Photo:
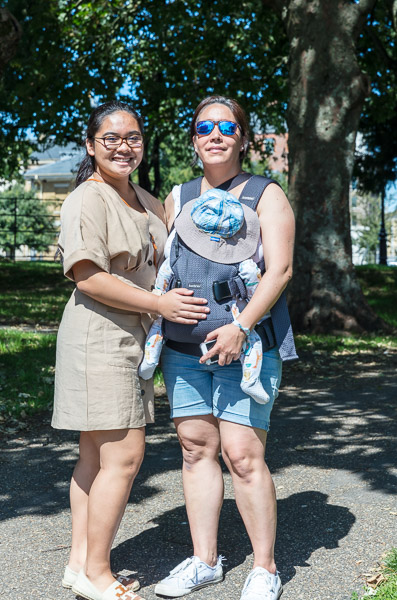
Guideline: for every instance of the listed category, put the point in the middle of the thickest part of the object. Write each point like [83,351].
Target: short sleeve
[84,230]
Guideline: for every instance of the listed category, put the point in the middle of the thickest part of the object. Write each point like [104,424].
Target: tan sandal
[69,579]
[117,591]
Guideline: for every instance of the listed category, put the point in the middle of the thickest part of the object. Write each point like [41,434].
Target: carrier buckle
[221,290]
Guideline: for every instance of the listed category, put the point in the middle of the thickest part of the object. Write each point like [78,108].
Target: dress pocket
[124,339]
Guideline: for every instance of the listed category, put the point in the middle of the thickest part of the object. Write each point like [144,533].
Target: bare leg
[85,471]
[121,454]
[243,449]
[202,482]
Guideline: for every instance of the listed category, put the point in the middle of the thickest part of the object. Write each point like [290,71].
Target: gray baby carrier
[220,284]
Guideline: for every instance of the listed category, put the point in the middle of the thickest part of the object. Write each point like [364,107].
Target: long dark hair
[238,113]
[97,117]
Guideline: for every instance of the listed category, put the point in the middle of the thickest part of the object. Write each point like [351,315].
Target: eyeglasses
[112,142]
[225,127]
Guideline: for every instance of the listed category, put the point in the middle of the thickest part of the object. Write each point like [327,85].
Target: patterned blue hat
[218,212]
[218,227]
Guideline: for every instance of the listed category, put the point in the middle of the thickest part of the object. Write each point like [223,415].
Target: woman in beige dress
[112,239]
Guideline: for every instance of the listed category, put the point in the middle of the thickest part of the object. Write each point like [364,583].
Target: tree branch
[278,5]
[380,49]
[360,14]
[365,6]
[10,34]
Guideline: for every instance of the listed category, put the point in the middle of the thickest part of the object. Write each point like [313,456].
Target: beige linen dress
[99,348]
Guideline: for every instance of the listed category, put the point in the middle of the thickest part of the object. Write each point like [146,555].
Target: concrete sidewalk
[331,450]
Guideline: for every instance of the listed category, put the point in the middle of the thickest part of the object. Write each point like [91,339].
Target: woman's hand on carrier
[229,341]
[179,305]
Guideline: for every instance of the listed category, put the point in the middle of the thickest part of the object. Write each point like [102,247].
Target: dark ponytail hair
[238,113]
[97,117]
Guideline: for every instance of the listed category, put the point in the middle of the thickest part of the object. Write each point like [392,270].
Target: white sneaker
[262,585]
[189,575]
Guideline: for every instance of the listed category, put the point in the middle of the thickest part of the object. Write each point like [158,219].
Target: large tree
[166,56]
[327,93]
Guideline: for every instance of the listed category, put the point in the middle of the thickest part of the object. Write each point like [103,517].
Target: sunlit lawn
[32,293]
[35,294]
[26,376]
[382,584]
[379,285]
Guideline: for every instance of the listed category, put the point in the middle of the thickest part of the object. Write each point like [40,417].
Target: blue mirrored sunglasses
[225,127]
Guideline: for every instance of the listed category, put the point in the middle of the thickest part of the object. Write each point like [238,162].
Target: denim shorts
[194,389]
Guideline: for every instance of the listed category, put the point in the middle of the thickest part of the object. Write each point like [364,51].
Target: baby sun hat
[218,227]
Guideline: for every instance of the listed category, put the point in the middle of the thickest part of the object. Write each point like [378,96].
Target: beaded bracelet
[245,330]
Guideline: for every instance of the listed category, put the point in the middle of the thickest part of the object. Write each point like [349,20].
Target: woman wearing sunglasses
[112,238]
[210,411]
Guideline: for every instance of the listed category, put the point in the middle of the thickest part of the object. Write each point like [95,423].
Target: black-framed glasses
[225,127]
[112,142]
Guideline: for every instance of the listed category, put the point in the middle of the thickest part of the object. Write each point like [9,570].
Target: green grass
[32,293]
[26,376]
[27,371]
[387,588]
[379,284]
[158,378]
[35,293]
[353,344]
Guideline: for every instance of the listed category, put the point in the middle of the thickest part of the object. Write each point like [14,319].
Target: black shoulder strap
[234,181]
[190,190]
[254,189]
[250,195]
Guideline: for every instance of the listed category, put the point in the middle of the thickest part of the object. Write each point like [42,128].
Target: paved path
[332,451]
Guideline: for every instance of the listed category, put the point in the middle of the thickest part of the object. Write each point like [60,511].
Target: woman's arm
[277,231]
[169,211]
[176,305]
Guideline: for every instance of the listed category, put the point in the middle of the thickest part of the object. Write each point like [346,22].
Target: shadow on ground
[325,427]
[306,522]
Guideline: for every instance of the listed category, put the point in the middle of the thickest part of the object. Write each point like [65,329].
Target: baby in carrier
[215,226]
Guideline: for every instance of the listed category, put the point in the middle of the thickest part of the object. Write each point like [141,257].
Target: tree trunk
[153,148]
[143,173]
[156,165]
[10,33]
[327,92]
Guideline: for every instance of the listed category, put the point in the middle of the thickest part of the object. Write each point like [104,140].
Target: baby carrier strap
[281,323]
[250,195]
[254,189]
[222,290]
[190,190]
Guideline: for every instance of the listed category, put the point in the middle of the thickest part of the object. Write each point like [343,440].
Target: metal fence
[29,227]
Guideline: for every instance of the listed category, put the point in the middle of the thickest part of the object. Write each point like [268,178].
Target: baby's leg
[153,346]
[251,360]
[154,341]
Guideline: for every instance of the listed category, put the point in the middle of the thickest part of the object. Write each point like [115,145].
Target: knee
[130,466]
[241,464]
[134,465]
[195,451]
